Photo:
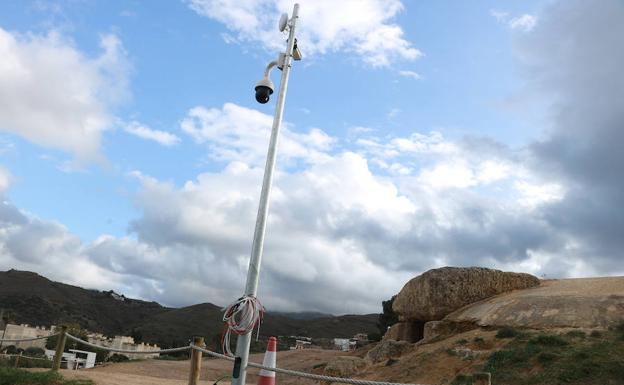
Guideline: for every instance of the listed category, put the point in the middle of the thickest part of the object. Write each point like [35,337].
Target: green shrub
[545,358]
[451,352]
[595,334]
[463,341]
[463,379]
[507,332]
[10,376]
[118,358]
[478,340]
[548,340]
[576,334]
[34,352]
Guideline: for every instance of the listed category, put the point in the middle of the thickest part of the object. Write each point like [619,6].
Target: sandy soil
[160,372]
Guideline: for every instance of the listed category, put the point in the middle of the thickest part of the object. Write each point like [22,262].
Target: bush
[34,352]
[548,340]
[478,340]
[463,379]
[118,358]
[463,341]
[576,334]
[595,334]
[10,376]
[507,332]
[545,358]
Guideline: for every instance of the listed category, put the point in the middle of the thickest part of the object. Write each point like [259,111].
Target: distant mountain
[303,315]
[27,297]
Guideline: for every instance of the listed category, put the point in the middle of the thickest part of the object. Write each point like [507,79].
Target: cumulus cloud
[238,133]
[142,131]
[363,28]
[356,219]
[55,96]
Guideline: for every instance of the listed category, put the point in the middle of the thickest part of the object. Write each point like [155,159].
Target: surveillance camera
[264,89]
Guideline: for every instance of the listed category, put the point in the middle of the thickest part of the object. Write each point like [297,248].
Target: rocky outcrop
[577,303]
[388,349]
[344,366]
[444,328]
[438,292]
[405,331]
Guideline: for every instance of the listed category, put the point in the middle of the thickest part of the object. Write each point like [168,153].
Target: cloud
[161,137]
[238,133]
[55,96]
[574,59]
[523,23]
[5,180]
[364,28]
[410,74]
[351,221]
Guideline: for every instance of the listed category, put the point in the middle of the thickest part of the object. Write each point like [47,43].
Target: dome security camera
[264,89]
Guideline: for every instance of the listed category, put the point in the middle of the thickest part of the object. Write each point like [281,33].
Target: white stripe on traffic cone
[267,377]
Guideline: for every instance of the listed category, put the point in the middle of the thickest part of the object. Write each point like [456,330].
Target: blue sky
[419,126]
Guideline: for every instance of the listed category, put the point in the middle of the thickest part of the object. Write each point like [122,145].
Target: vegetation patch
[549,340]
[547,359]
[576,334]
[11,376]
[507,332]
[463,379]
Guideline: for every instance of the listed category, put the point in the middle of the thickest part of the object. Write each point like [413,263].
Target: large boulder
[438,292]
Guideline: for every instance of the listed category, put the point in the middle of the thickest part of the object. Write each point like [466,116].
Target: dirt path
[159,372]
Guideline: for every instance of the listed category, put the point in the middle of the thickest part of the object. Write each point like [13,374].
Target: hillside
[206,320]
[27,297]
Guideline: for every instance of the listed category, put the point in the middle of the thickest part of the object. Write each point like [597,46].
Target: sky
[417,134]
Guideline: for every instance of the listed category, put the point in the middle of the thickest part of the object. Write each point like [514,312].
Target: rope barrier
[296,373]
[29,357]
[180,349]
[317,377]
[28,339]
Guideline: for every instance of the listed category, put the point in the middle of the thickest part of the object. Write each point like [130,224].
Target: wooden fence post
[196,358]
[17,359]
[60,347]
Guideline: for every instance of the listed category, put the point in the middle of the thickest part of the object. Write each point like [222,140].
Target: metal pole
[251,288]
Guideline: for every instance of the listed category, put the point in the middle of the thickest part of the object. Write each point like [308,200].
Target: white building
[75,359]
[15,332]
[124,343]
[344,344]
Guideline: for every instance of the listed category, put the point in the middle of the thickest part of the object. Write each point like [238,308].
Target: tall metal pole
[251,288]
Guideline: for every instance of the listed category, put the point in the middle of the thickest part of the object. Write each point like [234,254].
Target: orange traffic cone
[267,377]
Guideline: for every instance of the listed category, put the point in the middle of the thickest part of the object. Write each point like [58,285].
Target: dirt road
[159,372]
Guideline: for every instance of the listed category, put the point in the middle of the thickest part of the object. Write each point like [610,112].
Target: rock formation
[436,293]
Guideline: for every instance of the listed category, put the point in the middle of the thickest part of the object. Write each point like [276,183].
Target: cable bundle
[240,318]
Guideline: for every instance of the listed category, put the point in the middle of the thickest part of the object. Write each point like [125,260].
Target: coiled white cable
[240,318]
